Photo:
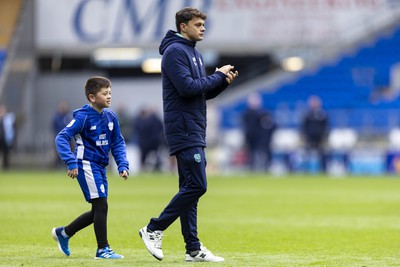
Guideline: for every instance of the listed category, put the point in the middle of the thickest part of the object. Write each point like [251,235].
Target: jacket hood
[86,109]
[173,37]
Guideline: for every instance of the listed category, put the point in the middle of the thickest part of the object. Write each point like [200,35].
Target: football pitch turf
[249,219]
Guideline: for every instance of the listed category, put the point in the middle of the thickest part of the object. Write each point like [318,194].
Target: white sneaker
[204,255]
[153,242]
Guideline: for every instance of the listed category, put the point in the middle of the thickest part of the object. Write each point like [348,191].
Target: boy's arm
[118,150]
[62,141]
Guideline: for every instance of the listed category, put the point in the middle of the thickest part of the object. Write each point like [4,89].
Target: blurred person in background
[149,134]
[7,135]
[125,122]
[61,118]
[314,129]
[186,88]
[258,127]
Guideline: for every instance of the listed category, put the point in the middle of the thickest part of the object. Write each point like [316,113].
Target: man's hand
[73,173]
[124,174]
[231,76]
[228,71]
[225,69]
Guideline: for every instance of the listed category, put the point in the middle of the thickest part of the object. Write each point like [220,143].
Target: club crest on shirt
[197,157]
[110,125]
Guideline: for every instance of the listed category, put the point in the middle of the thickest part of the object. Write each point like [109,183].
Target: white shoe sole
[98,258]
[188,258]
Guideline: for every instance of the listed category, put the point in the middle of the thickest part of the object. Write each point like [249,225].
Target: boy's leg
[93,182]
[100,210]
[62,234]
[79,223]
[89,185]
[62,240]
[97,216]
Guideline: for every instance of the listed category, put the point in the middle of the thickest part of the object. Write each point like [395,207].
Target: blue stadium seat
[2,58]
[346,85]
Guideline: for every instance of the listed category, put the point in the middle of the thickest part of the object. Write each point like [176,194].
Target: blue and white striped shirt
[95,134]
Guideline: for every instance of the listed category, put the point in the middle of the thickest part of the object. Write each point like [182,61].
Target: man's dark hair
[186,14]
[94,85]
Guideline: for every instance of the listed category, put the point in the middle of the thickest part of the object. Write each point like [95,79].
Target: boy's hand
[124,174]
[73,173]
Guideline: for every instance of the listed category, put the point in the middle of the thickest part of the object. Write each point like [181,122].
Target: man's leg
[322,157]
[188,218]
[7,150]
[194,250]
[143,158]
[189,228]
[191,188]
[191,163]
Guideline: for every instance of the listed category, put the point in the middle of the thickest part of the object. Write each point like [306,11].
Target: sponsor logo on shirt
[102,140]
[93,127]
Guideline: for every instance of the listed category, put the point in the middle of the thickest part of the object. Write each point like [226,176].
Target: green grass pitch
[250,220]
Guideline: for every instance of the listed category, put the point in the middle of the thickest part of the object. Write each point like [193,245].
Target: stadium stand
[357,90]
[8,13]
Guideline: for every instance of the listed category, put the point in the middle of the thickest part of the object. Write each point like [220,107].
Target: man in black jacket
[148,130]
[258,128]
[315,130]
[186,87]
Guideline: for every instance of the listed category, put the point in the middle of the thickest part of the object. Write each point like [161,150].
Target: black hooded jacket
[185,91]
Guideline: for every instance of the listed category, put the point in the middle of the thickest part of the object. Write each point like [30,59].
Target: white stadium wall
[78,26]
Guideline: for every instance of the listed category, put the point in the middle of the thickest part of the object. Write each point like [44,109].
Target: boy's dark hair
[186,14]
[94,85]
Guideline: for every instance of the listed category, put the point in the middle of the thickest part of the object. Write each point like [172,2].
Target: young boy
[96,132]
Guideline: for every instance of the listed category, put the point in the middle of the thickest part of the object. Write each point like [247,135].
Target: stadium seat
[394,139]
[342,139]
[353,86]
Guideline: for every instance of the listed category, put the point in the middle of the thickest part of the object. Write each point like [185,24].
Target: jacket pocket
[185,123]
